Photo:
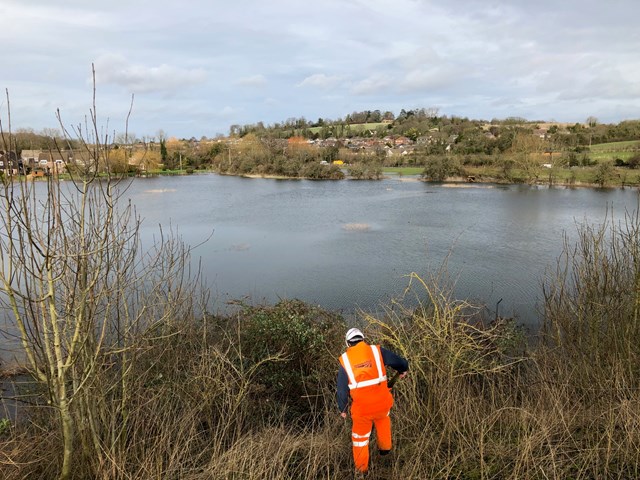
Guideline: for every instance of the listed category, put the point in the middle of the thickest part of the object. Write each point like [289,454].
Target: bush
[356,171]
[439,168]
[604,174]
[301,343]
[592,303]
[335,173]
[361,171]
[571,159]
[313,170]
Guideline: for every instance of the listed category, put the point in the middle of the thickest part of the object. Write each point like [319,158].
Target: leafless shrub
[82,293]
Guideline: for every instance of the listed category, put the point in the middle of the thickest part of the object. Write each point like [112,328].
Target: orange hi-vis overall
[371,400]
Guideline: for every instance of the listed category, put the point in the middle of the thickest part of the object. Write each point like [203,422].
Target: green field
[616,146]
[566,176]
[611,151]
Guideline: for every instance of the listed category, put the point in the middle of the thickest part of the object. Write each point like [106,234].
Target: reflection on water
[351,244]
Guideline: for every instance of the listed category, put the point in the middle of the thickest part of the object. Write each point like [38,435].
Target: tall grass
[251,395]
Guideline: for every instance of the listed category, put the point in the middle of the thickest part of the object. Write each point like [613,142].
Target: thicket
[257,156]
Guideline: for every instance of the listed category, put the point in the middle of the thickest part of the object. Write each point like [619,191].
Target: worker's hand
[404,374]
[343,415]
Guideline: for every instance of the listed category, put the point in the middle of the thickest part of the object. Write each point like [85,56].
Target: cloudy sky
[197,67]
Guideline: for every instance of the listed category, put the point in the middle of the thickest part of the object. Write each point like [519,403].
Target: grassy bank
[251,395]
[403,170]
[593,176]
[580,176]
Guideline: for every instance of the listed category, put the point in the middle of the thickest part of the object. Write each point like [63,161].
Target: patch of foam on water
[356,227]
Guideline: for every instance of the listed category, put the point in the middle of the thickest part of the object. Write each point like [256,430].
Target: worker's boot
[386,459]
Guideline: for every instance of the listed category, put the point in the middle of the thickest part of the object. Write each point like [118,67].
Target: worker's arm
[342,394]
[398,363]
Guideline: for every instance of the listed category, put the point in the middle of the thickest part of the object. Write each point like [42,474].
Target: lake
[349,245]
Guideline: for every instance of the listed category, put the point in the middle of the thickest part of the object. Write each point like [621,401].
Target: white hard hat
[352,335]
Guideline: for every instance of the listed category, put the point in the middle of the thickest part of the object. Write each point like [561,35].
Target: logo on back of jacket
[366,364]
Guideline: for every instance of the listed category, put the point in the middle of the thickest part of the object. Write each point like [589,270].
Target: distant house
[297,141]
[400,141]
[9,163]
[30,158]
[82,158]
[54,162]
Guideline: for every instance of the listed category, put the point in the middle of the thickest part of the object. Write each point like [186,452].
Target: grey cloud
[116,70]
[320,80]
[253,81]
[429,79]
[375,83]
[606,86]
[469,57]
[47,16]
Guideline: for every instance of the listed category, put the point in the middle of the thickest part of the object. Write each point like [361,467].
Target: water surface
[346,245]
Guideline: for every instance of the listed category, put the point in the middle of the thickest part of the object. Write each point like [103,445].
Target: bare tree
[527,149]
[80,289]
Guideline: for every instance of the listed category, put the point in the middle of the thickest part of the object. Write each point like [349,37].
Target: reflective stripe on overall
[372,400]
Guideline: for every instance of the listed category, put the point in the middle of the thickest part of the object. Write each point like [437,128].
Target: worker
[362,374]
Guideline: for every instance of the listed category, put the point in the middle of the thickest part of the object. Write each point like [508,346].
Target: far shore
[453,182]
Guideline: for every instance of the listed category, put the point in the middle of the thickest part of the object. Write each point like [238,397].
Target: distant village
[36,162]
[409,140]
[43,162]
[47,162]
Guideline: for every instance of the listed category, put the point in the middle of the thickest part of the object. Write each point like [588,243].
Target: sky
[194,68]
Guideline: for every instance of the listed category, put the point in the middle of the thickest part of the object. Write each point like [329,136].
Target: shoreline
[450,182]
[495,181]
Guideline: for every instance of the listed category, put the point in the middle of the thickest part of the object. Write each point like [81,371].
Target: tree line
[418,122]
[443,145]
